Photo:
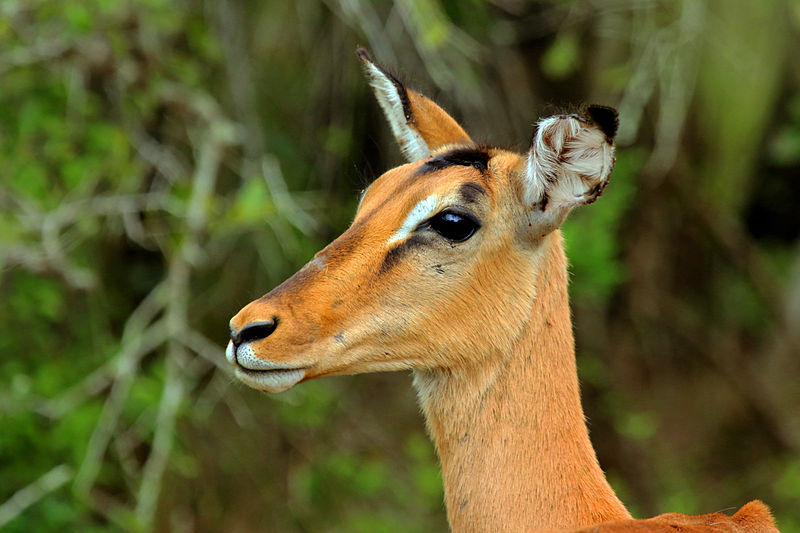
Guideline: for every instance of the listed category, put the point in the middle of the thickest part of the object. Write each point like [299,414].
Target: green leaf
[562,58]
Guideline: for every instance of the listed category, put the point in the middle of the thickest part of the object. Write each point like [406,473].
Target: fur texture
[568,165]
[753,517]
[484,323]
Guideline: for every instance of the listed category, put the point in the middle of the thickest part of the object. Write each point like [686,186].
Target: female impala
[454,268]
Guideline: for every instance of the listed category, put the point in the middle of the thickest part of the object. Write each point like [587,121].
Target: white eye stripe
[418,213]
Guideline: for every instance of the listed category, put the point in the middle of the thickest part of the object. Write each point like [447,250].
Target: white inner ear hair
[418,214]
[567,160]
[411,143]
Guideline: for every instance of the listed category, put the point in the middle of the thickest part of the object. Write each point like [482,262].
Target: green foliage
[637,425]
[562,58]
[165,161]
[309,406]
[593,237]
[785,144]
[434,28]
[729,161]
[427,476]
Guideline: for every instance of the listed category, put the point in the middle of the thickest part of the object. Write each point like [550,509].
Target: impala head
[440,262]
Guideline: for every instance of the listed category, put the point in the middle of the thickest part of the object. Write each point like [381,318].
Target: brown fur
[484,324]
[433,124]
[754,517]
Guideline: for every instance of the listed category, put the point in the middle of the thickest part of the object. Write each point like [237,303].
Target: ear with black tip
[419,125]
[606,118]
[569,163]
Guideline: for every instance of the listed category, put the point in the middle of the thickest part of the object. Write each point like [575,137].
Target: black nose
[254,331]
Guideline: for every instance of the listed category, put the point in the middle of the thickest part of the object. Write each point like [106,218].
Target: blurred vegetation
[164,162]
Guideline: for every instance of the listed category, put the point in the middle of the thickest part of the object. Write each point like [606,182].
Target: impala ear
[569,162]
[419,125]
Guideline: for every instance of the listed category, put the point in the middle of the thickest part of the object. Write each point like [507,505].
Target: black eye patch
[471,193]
[396,254]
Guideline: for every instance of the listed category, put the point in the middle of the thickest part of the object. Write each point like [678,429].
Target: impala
[454,268]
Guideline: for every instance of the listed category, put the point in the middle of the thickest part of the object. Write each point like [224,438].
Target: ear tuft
[606,118]
[570,160]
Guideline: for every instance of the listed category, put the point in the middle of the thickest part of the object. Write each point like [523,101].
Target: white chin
[272,381]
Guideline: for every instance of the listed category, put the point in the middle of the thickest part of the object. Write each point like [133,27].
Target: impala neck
[511,434]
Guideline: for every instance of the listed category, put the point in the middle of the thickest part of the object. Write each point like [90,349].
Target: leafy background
[165,162]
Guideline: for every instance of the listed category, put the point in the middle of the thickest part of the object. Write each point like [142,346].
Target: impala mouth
[260,374]
[272,381]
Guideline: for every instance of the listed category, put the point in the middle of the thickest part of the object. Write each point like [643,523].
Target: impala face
[433,252]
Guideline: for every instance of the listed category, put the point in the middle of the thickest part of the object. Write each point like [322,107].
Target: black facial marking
[402,92]
[606,119]
[398,252]
[464,157]
[541,205]
[471,192]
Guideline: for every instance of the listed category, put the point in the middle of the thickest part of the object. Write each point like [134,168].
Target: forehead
[464,172]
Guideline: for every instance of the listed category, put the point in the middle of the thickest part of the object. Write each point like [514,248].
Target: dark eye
[453,226]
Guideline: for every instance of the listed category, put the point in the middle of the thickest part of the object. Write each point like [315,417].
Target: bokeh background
[163,162]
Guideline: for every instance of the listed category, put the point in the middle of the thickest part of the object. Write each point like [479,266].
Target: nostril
[254,332]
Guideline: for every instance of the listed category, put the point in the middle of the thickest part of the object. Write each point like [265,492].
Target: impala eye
[454,226]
